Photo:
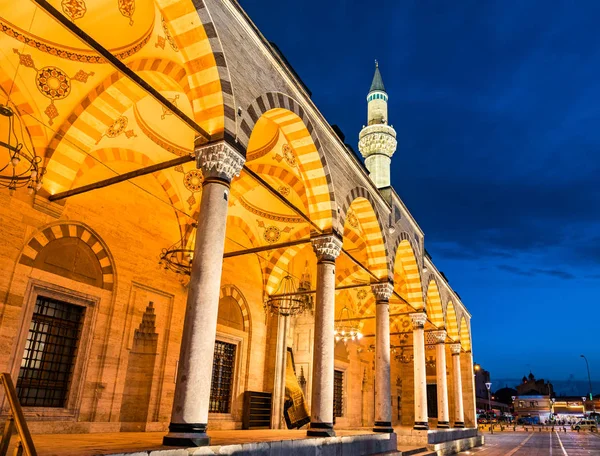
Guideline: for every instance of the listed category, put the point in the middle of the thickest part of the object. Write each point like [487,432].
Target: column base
[320,430]
[459,424]
[187,435]
[443,425]
[384,427]
[421,425]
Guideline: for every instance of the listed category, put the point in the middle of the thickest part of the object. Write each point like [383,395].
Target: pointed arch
[452,322]
[407,276]
[433,304]
[362,204]
[211,92]
[300,133]
[230,290]
[60,230]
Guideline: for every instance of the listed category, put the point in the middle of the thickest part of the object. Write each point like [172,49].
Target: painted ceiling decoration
[118,127]
[52,82]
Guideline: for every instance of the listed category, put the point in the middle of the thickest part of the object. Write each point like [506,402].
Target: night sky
[497,109]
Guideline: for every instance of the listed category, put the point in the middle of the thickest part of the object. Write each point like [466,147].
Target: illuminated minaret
[377,141]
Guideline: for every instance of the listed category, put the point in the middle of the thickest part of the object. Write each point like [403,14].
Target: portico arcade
[186,175]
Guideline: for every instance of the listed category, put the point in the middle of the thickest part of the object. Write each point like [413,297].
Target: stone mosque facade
[195,240]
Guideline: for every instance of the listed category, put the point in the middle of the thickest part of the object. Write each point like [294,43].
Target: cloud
[531,272]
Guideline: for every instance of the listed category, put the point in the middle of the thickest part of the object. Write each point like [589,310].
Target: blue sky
[497,109]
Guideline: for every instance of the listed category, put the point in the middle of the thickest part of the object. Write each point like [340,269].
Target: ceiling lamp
[347,326]
[178,258]
[22,166]
[403,357]
[290,299]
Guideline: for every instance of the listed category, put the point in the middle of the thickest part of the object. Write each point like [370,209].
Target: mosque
[188,245]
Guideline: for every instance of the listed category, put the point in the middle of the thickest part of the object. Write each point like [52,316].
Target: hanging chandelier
[290,299]
[22,167]
[403,357]
[347,326]
[178,257]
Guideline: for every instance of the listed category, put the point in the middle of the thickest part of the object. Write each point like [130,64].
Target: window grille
[50,352]
[338,397]
[222,377]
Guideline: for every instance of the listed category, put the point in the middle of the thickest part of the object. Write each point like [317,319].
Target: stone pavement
[126,442]
[538,444]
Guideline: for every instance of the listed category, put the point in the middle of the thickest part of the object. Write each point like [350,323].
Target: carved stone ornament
[377,139]
[382,291]
[455,349]
[418,319]
[439,336]
[327,248]
[219,160]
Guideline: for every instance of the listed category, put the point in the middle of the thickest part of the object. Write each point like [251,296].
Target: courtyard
[538,443]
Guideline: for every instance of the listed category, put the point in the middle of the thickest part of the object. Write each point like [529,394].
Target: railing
[15,419]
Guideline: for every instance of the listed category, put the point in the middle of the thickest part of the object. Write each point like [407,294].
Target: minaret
[377,141]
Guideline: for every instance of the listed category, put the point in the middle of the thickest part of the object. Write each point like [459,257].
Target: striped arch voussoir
[433,301]
[371,234]
[71,230]
[236,294]
[211,91]
[311,155]
[417,290]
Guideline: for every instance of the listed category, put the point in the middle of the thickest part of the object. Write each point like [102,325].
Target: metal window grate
[49,357]
[222,377]
[338,397]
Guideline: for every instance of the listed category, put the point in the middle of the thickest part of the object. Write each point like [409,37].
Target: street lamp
[513,406]
[488,385]
[583,406]
[590,382]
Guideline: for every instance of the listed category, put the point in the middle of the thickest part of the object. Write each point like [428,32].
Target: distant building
[540,408]
[481,378]
[530,386]
[483,402]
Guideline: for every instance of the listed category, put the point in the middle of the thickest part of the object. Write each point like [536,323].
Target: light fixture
[347,326]
[430,361]
[178,257]
[291,299]
[403,357]
[22,167]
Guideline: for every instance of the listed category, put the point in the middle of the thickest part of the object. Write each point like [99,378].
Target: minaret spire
[377,141]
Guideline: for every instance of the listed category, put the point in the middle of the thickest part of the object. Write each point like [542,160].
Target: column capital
[418,319]
[455,349]
[327,247]
[219,160]
[382,291]
[439,336]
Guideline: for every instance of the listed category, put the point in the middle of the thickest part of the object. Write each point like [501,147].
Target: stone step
[417,452]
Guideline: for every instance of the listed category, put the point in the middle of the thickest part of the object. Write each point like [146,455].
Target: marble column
[442,382]
[279,381]
[219,163]
[418,320]
[383,406]
[327,248]
[459,420]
